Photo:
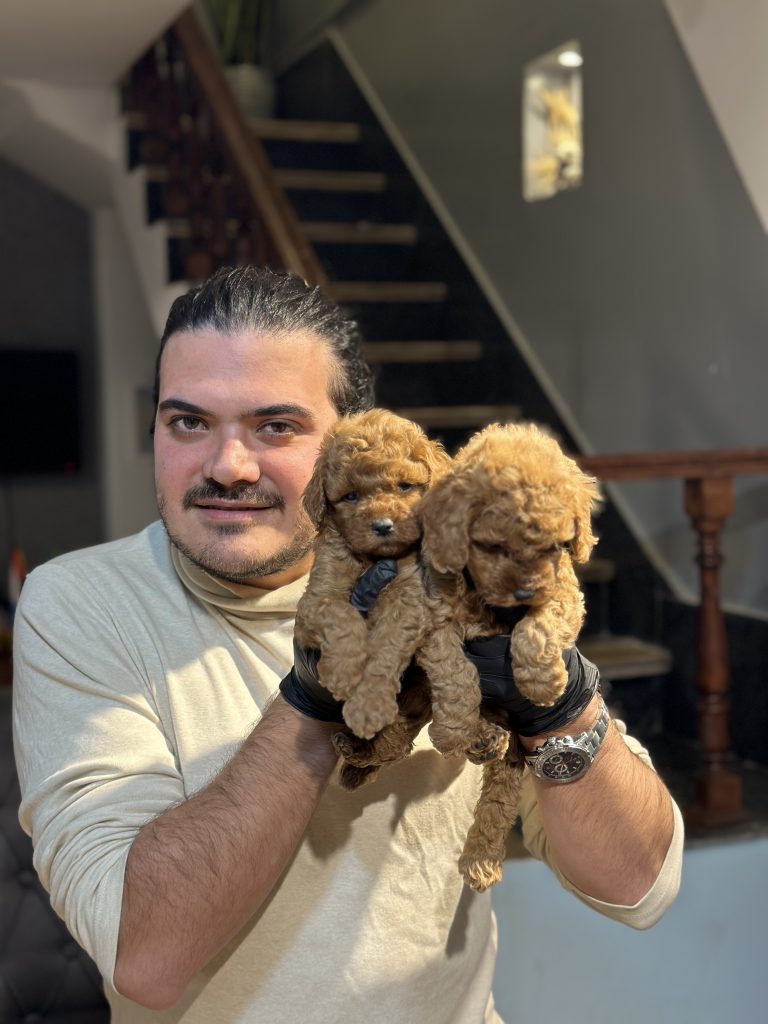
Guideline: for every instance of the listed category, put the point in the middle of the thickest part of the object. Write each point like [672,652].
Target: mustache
[250,494]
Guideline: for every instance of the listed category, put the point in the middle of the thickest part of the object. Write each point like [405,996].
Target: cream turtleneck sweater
[132,691]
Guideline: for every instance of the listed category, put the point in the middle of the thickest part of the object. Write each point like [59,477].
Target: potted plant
[240,29]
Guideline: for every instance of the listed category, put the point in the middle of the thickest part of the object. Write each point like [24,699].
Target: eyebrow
[280,409]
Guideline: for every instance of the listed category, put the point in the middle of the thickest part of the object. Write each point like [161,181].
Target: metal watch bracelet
[563,759]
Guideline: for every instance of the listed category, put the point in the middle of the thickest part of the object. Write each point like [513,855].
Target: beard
[230,566]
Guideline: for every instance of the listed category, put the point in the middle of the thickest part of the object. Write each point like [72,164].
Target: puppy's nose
[523,595]
[382,527]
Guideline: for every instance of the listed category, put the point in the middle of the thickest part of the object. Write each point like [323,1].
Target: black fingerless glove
[490,655]
[302,688]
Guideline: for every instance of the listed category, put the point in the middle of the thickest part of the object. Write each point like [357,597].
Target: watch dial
[564,765]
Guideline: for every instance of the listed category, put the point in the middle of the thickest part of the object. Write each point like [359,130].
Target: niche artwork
[552,137]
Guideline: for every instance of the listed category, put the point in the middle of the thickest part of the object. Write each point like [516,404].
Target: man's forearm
[200,870]
[609,831]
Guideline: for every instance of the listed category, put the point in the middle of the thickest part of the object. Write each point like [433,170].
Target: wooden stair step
[457,416]
[330,181]
[387,291]
[422,351]
[596,570]
[291,130]
[625,657]
[362,232]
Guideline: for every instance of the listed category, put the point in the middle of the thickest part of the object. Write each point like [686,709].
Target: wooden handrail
[708,498]
[683,465]
[246,154]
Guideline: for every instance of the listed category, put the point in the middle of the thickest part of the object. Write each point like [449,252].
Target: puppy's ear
[314,497]
[445,516]
[587,499]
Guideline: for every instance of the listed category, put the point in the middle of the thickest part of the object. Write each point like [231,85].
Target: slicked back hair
[249,298]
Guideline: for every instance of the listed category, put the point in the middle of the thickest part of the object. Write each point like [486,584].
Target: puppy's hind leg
[481,861]
[363,758]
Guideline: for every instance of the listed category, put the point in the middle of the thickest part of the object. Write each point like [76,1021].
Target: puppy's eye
[352,496]
[402,486]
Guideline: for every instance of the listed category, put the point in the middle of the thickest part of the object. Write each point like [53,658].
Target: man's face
[239,424]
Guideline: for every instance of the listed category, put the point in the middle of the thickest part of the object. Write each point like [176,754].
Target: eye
[352,496]
[402,486]
[187,424]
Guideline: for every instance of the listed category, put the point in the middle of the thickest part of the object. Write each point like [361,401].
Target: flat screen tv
[39,412]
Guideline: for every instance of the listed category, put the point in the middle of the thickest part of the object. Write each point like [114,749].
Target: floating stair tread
[330,181]
[596,570]
[422,351]
[361,232]
[388,291]
[460,415]
[625,657]
[289,130]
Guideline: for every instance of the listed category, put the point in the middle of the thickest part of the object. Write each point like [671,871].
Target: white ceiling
[78,42]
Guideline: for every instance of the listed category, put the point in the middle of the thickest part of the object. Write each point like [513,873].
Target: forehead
[249,365]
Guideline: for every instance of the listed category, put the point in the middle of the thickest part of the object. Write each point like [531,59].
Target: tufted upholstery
[44,975]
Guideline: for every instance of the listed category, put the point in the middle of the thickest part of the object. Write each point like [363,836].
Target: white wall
[705,961]
[127,346]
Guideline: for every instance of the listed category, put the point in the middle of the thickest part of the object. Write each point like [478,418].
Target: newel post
[717,801]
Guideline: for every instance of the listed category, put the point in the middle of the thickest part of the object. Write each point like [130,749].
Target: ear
[314,497]
[445,516]
[587,500]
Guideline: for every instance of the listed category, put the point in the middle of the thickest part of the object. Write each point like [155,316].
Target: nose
[230,462]
[382,527]
[523,595]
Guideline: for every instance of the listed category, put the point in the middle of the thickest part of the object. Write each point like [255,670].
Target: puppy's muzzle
[383,527]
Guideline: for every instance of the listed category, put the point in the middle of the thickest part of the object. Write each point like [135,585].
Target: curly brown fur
[365,497]
[514,516]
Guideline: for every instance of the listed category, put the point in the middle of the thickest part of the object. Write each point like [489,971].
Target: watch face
[563,765]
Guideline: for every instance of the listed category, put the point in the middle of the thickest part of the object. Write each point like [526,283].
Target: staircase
[440,355]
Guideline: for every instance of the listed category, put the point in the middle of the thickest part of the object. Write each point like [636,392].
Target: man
[184,817]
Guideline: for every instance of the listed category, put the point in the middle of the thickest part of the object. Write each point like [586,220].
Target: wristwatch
[567,758]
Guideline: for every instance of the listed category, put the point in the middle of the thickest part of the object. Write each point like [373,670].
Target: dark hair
[259,299]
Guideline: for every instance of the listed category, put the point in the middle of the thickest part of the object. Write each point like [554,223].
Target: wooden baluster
[176,199]
[717,800]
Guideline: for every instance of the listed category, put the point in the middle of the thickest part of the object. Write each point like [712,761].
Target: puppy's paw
[490,743]
[480,873]
[541,684]
[353,776]
[366,715]
[354,750]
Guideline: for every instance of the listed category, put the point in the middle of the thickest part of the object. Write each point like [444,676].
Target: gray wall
[642,296]
[47,303]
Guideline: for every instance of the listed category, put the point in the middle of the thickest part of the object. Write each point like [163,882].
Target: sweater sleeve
[662,893]
[94,764]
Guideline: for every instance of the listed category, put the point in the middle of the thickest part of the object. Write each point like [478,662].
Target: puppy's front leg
[325,619]
[457,729]
[537,646]
[397,623]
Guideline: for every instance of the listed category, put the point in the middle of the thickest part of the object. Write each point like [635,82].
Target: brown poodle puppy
[365,497]
[513,515]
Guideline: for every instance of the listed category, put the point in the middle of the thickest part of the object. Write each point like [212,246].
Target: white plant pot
[254,88]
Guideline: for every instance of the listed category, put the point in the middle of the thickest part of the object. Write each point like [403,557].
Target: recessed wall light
[570,59]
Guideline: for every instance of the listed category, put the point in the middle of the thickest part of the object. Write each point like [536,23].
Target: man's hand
[490,655]
[302,688]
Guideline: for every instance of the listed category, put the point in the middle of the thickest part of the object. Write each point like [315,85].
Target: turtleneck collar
[238,600]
